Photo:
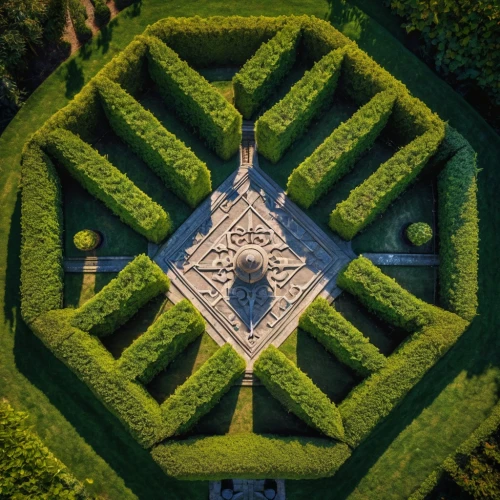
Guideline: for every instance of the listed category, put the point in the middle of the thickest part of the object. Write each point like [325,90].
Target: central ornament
[250,263]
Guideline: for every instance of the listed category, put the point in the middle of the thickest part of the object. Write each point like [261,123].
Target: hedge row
[459,234]
[336,156]
[261,74]
[287,120]
[435,330]
[175,164]
[297,392]
[341,338]
[196,101]
[375,194]
[202,391]
[27,468]
[167,337]
[108,184]
[122,297]
[250,456]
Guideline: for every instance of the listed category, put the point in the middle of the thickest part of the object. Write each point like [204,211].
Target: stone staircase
[247,148]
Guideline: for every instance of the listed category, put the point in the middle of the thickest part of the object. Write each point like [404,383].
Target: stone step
[403,259]
[96,264]
[249,379]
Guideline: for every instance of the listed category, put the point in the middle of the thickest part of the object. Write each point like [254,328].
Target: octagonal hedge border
[72,335]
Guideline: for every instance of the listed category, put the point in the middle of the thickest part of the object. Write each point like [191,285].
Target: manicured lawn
[437,415]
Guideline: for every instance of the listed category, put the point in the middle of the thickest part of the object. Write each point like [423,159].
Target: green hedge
[336,156]
[202,391]
[122,297]
[167,337]
[27,468]
[419,233]
[297,392]
[261,74]
[42,276]
[278,127]
[250,456]
[375,194]
[196,101]
[102,14]
[459,234]
[175,164]
[341,338]
[78,15]
[108,184]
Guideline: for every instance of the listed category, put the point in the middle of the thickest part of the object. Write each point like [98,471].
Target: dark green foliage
[122,4]
[168,157]
[419,233]
[27,468]
[250,456]
[196,101]
[261,74]
[297,392]
[122,297]
[41,246]
[459,234]
[336,156]
[341,338]
[375,194]
[167,337]
[202,391]
[108,184]
[102,14]
[78,15]
[287,120]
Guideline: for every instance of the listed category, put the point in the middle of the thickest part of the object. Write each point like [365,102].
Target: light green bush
[419,233]
[86,240]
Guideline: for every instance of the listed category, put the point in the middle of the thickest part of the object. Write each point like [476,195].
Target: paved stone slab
[96,264]
[244,489]
[403,259]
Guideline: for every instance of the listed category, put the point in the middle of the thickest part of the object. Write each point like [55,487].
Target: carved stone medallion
[251,262]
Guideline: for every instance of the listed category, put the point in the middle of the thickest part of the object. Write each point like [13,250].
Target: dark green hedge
[102,14]
[341,338]
[459,234]
[375,194]
[122,297]
[287,120]
[297,392]
[175,164]
[167,337]
[261,74]
[250,456]
[202,391]
[196,101]
[336,156]
[108,184]
[78,15]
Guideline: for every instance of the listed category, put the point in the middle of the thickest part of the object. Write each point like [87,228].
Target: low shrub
[166,338]
[375,194]
[419,233]
[297,392]
[202,391]
[27,468]
[278,127]
[122,297]
[341,338]
[336,156]
[196,101]
[102,14]
[250,456]
[175,164]
[108,184]
[78,15]
[261,74]
[459,234]
[86,240]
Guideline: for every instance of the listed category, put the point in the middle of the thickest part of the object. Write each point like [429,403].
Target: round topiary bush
[419,233]
[87,240]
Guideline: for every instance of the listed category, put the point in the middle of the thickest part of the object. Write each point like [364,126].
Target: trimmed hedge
[341,338]
[250,456]
[459,234]
[336,156]
[196,101]
[122,297]
[175,164]
[202,391]
[167,337]
[86,240]
[278,127]
[261,74]
[108,184]
[419,233]
[375,194]
[102,14]
[297,392]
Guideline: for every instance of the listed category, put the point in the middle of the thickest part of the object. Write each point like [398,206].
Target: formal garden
[249,251]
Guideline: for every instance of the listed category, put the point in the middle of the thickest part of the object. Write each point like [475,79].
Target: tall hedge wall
[196,101]
[336,156]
